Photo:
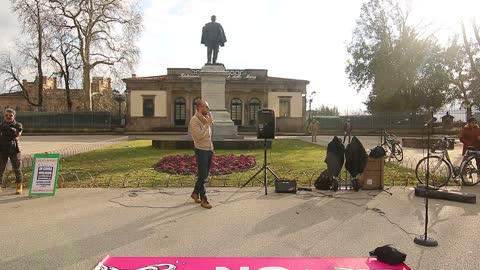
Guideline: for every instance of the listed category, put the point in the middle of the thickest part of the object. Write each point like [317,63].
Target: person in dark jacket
[10,131]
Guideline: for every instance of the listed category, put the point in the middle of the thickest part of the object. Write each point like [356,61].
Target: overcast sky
[299,39]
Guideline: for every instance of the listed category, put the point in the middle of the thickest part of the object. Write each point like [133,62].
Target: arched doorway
[180,111]
[253,108]
[236,111]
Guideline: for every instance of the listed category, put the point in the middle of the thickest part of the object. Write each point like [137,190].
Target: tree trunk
[469,111]
[39,60]
[67,91]
[67,82]
[87,88]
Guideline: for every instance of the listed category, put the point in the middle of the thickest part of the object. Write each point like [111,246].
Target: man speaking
[202,138]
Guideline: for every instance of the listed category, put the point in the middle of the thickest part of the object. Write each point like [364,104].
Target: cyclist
[470,136]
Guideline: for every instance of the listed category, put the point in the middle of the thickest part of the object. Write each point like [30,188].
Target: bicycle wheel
[398,153]
[469,172]
[440,171]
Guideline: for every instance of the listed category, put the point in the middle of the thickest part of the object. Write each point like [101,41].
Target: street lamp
[119,98]
[310,99]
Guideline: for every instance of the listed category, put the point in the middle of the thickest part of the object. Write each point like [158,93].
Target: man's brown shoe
[205,204]
[195,197]
[19,189]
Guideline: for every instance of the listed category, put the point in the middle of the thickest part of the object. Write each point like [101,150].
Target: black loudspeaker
[266,124]
[285,186]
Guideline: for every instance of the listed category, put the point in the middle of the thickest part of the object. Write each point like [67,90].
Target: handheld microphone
[210,115]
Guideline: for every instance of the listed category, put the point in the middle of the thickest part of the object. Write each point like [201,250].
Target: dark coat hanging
[335,156]
[355,157]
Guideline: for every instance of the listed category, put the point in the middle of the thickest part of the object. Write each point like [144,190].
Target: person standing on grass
[314,129]
[10,131]
[202,138]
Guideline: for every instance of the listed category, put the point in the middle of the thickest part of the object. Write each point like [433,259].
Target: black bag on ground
[324,181]
[377,152]
[389,255]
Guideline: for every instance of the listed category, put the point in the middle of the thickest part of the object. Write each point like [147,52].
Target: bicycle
[442,168]
[392,146]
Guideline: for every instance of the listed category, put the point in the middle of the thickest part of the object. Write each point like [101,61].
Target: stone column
[213,79]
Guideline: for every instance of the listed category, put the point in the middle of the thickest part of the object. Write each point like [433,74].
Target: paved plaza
[79,227]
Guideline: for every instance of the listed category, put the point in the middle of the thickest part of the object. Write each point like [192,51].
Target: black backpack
[324,181]
[389,255]
[377,152]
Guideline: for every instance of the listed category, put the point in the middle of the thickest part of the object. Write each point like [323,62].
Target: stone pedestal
[213,78]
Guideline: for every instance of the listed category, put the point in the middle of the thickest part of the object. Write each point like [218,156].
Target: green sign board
[44,175]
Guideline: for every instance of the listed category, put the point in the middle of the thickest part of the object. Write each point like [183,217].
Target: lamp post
[119,98]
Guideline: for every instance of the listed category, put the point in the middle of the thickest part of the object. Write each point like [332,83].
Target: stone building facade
[55,99]
[168,101]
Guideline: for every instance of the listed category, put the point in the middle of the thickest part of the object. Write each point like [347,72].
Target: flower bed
[187,165]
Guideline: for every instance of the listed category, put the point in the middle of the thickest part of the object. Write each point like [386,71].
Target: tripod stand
[265,168]
[424,240]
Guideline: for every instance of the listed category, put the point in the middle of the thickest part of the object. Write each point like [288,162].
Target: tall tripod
[424,240]
[265,168]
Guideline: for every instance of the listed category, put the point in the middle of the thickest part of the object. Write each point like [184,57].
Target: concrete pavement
[78,227]
[54,143]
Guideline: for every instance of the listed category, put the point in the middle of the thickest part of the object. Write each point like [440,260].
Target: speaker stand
[264,168]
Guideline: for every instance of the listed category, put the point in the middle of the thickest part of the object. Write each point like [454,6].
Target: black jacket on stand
[355,157]
[335,156]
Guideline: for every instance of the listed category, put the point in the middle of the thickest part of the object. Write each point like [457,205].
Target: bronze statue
[213,36]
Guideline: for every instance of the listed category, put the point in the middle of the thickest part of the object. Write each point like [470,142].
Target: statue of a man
[213,36]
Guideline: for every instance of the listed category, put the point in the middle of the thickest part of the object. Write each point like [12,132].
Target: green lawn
[130,164]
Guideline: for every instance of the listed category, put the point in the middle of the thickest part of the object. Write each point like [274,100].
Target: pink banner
[207,263]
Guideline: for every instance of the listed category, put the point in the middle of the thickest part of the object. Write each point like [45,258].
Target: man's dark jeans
[16,160]
[204,161]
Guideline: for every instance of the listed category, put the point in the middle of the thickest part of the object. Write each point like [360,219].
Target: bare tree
[12,72]
[106,31]
[33,16]
[66,60]
[471,76]
[461,76]
[468,48]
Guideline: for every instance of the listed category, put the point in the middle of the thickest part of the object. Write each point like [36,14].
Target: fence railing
[445,118]
[68,120]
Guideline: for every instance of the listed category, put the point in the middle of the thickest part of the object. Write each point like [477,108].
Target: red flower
[187,165]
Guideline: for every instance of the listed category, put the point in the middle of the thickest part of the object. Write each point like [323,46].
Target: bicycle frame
[454,169]
[389,142]
[444,156]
